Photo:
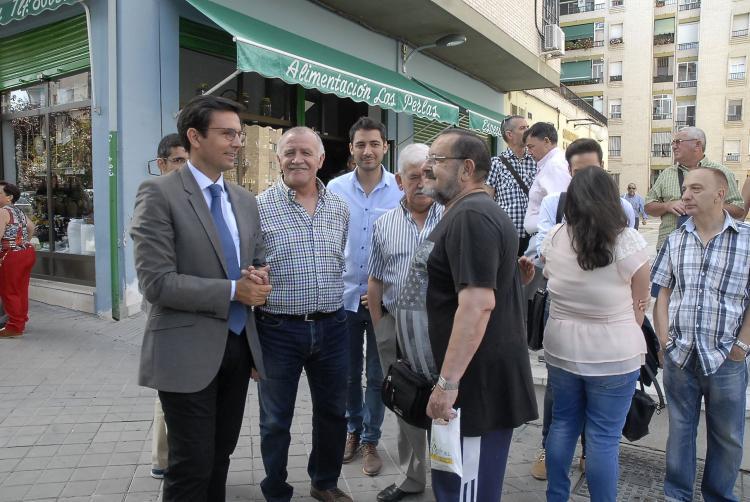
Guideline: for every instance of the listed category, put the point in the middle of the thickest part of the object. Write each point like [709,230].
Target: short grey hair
[416,153]
[507,124]
[300,130]
[696,133]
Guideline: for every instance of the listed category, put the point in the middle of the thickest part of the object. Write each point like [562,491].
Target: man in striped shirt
[396,236]
[703,270]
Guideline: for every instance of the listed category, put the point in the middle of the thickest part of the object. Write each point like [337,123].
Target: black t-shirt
[476,244]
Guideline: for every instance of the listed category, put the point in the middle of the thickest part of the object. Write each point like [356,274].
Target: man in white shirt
[552,170]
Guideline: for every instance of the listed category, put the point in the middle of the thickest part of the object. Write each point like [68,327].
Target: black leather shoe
[392,494]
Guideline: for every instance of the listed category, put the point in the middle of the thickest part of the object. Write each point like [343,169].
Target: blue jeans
[602,403]
[322,349]
[724,394]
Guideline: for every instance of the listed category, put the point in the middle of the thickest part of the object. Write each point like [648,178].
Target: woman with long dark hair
[17,258]
[598,272]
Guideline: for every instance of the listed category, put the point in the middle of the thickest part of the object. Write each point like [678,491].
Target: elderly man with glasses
[664,198]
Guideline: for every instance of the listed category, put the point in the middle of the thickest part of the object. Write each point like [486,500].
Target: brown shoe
[372,462]
[9,333]
[352,446]
[539,468]
[331,495]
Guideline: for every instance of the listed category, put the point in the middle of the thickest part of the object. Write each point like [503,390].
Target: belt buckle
[308,320]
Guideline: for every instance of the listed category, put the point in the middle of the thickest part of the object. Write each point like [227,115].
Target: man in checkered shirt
[507,192]
[703,270]
[303,323]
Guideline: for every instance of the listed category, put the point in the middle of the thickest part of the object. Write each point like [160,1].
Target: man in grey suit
[199,255]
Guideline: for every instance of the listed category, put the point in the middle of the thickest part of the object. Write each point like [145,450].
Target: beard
[445,194]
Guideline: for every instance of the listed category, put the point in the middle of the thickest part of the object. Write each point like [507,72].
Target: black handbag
[535,319]
[642,408]
[406,393]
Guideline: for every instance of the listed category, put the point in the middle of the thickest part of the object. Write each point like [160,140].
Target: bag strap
[560,208]
[515,174]
[680,177]
[659,393]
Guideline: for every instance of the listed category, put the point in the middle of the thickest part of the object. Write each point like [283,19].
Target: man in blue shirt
[638,204]
[369,191]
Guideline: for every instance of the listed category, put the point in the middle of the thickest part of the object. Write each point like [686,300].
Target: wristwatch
[445,384]
[745,347]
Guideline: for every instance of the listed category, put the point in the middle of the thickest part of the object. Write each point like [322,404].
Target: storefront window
[28,98]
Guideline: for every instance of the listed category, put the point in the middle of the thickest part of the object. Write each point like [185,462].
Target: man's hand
[259,275]
[441,404]
[249,292]
[526,265]
[676,207]
[363,301]
[737,354]
[255,375]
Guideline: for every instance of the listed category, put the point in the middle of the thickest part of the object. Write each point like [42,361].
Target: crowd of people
[434,265]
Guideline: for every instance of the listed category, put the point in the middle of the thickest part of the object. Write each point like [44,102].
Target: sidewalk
[75,426]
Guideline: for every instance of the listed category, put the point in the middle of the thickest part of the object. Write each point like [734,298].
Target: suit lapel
[196,199]
[240,216]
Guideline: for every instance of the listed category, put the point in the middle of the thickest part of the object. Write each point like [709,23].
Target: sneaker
[582,464]
[330,495]
[157,473]
[539,468]
[372,462]
[352,446]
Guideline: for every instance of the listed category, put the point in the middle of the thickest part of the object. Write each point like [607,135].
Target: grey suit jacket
[182,274]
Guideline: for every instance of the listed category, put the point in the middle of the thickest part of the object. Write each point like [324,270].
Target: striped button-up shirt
[710,291]
[395,238]
[305,253]
[508,194]
[667,188]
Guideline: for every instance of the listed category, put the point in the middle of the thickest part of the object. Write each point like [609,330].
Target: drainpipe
[115,247]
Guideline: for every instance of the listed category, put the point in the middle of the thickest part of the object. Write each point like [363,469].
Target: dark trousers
[203,428]
[321,348]
[523,244]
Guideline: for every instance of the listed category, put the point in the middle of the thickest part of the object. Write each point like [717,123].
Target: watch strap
[445,384]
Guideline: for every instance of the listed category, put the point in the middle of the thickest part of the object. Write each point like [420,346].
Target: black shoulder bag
[515,174]
[406,393]
[642,408]
[536,316]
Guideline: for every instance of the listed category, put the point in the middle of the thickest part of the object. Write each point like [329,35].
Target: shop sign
[328,79]
[483,124]
[14,10]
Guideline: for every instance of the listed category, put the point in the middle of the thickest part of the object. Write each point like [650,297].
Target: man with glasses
[512,174]
[199,257]
[637,202]
[171,154]
[664,198]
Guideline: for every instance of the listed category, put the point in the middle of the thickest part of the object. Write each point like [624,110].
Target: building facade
[89,87]
[654,66]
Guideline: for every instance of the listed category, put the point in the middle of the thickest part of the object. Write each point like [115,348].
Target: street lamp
[451,40]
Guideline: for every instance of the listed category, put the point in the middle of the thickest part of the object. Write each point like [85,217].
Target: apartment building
[654,66]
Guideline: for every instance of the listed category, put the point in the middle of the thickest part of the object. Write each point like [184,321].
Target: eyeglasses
[677,142]
[229,134]
[153,164]
[431,160]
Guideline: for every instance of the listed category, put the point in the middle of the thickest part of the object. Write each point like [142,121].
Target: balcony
[690,5]
[664,39]
[664,3]
[687,83]
[617,3]
[687,46]
[663,78]
[614,153]
[679,124]
[733,157]
[615,115]
[575,8]
[661,151]
[574,98]
[734,118]
[582,43]
[584,81]
[662,116]
[615,41]
[738,75]
[615,78]
[739,33]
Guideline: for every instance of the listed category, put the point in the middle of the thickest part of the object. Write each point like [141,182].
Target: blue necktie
[237,310]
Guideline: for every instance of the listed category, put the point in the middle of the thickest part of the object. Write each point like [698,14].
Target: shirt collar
[729,222]
[701,163]
[552,153]
[384,181]
[509,153]
[203,180]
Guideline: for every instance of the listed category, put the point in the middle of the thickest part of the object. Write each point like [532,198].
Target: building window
[597,69]
[664,69]
[615,108]
[734,110]
[687,74]
[662,109]
[550,12]
[664,31]
[598,34]
[685,114]
[737,68]
[578,73]
[687,36]
[740,25]
[732,150]
[615,71]
[615,34]
[661,144]
[597,102]
[689,4]
[614,146]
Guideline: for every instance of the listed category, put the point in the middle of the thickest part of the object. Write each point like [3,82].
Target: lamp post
[451,40]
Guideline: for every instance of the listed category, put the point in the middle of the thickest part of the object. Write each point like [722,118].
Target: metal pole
[114,175]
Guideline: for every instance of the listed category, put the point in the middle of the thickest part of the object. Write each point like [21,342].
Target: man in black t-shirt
[475,315]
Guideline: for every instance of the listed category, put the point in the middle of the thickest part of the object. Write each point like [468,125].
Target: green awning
[579,31]
[662,26]
[275,53]
[14,10]
[481,119]
[575,70]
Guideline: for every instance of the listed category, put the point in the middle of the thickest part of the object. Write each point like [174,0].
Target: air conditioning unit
[554,40]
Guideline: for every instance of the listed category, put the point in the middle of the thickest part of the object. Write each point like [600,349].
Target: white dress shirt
[226,209]
[552,176]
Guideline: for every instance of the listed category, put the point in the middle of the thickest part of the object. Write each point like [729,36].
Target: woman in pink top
[597,271]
